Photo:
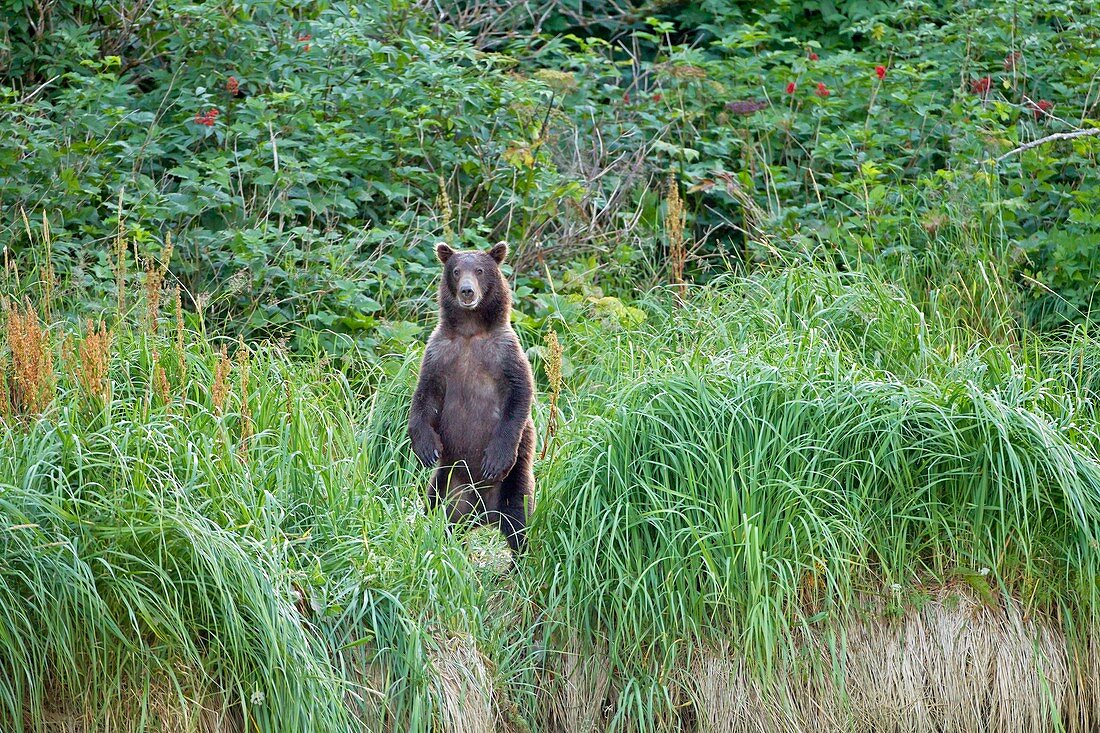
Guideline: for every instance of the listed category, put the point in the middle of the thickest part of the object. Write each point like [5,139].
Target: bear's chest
[472,369]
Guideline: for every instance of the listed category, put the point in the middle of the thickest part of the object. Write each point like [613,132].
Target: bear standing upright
[471,411]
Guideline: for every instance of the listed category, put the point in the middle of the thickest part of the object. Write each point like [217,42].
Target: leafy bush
[302,156]
[299,157]
[869,146]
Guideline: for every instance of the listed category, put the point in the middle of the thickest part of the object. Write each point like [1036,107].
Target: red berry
[206,118]
[981,85]
[791,87]
[813,56]
[1041,108]
[880,71]
[233,86]
[822,90]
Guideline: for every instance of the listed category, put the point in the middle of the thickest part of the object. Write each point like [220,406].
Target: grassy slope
[737,481]
[795,453]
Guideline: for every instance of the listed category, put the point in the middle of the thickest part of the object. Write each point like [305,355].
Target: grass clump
[196,539]
[793,456]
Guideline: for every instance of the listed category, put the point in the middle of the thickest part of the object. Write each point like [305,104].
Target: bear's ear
[499,252]
[443,252]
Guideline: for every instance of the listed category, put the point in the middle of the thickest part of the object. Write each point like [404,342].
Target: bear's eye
[480,271]
[455,272]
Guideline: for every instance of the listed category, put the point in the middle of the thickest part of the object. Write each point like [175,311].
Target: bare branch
[1090,132]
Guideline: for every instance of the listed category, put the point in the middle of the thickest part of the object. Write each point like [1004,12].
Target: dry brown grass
[574,696]
[954,666]
[219,390]
[154,285]
[1082,703]
[461,683]
[155,273]
[160,710]
[30,380]
[5,400]
[181,360]
[367,684]
[674,231]
[552,366]
[464,686]
[93,358]
[160,380]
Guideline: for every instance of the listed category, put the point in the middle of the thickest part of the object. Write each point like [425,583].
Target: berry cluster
[981,85]
[207,118]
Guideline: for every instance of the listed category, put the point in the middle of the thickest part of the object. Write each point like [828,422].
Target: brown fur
[471,412]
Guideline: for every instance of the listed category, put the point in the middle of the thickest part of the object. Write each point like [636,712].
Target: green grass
[772,461]
[147,548]
[784,457]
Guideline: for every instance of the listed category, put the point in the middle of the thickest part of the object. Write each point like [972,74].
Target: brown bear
[471,411]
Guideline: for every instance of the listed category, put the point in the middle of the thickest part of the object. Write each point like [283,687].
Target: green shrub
[306,198]
[793,148]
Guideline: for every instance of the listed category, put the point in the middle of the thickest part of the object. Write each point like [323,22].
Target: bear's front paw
[496,463]
[427,448]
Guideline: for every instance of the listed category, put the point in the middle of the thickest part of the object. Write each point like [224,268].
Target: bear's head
[472,286]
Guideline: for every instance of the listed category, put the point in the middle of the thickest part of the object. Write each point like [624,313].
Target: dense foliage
[305,155]
[296,156]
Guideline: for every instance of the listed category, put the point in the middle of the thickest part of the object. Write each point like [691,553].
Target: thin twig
[27,99]
[1092,131]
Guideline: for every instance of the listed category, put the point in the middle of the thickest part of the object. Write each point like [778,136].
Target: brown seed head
[220,389]
[31,383]
[93,355]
